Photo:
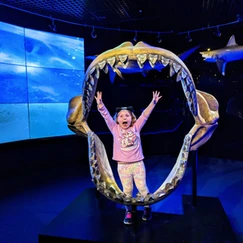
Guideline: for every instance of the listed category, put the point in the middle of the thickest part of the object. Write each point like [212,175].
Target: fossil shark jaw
[203,107]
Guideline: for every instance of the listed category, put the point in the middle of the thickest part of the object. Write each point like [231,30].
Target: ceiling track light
[135,38]
[218,33]
[93,33]
[52,26]
[159,39]
[189,39]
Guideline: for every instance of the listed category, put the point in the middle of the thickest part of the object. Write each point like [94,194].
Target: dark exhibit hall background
[43,175]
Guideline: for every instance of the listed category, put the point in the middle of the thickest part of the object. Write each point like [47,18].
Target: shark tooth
[152,59]
[97,74]
[187,139]
[189,101]
[92,70]
[193,94]
[179,76]
[141,58]
[91,147]
[87,108]
[102,64]
[176,67]
[95,166]
[103,184]
[164,61]
[91,142]
[92,170]
[191,88]
[183,73]
[92,156]
[92,150]
[161,194]
[172,71]
[106,69]
[188,80]
[90,88]
[123,58]
[111,61]
[183,83]
[86,77]
[187,94]
[194,97]
[193,109]
[91,80]
[185,148]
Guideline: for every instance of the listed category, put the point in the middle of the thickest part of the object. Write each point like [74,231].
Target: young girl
[127,149]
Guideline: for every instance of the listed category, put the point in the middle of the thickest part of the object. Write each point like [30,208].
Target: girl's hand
[156,96]
[98,98]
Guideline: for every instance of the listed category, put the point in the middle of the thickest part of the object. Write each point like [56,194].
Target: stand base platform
[93,218]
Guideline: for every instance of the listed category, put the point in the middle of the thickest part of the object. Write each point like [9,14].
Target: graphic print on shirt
[128,140]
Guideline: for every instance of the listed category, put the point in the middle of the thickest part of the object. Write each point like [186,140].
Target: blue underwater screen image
[14,122]
[53,85]
[13,84]
[40,72]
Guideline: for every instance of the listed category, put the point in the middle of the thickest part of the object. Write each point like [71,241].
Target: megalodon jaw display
[203,106]
[231,52]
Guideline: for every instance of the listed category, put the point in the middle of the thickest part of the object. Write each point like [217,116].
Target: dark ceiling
[176,15]
[115,21]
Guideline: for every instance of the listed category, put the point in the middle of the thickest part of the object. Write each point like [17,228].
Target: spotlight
[52,26]
[159,39]
[217,33]
[93,34]
[135,38]
[239,17]
[189,39]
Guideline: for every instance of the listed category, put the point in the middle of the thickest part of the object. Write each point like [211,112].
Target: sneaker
[128,218]
[147,214]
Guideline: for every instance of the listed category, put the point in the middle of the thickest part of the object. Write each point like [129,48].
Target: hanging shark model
[231,52]
[133,67]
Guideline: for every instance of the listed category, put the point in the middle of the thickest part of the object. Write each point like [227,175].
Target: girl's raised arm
[150,107]
[104,112]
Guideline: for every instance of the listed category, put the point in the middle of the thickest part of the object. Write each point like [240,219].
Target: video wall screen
[39,73]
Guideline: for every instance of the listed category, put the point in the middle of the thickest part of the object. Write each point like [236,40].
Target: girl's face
[124,119]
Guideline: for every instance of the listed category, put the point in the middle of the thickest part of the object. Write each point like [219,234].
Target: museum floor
[33,197]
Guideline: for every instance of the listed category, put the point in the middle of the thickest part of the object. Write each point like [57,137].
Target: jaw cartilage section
[203,107]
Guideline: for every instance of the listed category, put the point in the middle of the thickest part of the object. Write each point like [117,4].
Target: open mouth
[203,107]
